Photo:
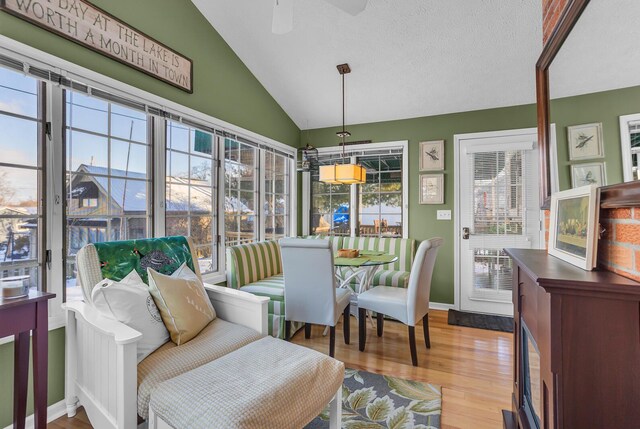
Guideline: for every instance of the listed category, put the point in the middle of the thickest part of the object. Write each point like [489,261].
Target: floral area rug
[372,401]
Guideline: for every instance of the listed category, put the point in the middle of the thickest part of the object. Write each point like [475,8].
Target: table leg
[20,378]
[40,358]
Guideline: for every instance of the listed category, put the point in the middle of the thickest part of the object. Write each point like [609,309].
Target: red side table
[18,317]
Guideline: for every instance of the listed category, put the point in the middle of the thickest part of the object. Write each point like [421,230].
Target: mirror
[595,98]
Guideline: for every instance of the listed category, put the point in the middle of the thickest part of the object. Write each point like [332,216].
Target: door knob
[465,233]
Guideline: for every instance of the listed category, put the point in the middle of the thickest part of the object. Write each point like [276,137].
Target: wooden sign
[90,26]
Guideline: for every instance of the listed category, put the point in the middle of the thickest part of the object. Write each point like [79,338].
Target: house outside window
[21,180]
[108,180]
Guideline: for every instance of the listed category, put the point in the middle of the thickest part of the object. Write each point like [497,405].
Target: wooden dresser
[576,346]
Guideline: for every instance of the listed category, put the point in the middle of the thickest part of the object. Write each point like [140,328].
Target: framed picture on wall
[432,189]
[585,141]
[573,233]
[432,155]
[588,174]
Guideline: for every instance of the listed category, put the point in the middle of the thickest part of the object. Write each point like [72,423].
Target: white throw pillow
[129,301]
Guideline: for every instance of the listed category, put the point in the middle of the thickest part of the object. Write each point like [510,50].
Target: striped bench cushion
[273,288]
[249,263]
[391,278]
[336,241]
[403,248]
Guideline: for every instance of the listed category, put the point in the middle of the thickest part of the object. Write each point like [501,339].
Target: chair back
[420,279]
[309,281]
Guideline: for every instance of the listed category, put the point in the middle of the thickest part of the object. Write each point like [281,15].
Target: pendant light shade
[344,174]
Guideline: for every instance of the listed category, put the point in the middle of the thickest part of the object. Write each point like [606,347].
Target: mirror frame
[563,27]
[625,194]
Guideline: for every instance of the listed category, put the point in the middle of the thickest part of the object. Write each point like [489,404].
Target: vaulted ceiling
[409,58]
[412,58]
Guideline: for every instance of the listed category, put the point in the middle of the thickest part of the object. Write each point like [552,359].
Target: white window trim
[401,144]
[55,187]
[625,142]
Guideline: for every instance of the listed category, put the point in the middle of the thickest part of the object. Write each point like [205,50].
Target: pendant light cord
[343,109]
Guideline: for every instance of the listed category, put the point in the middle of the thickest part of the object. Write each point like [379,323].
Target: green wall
[600,107]
[56,376]
[223,88]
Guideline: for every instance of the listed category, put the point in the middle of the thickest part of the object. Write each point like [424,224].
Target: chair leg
[362,328]
[307,330]
[380,320]
[346,327]
[287,330]
[332,341]
[412,345]
[425,325]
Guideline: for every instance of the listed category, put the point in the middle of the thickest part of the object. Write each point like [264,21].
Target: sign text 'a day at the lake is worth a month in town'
[90,26]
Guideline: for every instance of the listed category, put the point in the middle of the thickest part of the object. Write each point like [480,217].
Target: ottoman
[268,383]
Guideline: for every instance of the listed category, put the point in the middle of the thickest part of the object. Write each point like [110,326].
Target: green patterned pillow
[164,255]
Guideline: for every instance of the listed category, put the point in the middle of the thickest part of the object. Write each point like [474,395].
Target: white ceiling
[601,53]
[409,58]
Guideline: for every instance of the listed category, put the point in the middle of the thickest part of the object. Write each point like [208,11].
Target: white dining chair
[310,293]
[406,305]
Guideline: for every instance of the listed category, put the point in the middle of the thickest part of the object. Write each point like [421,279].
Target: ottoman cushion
[217,339]
[269,383]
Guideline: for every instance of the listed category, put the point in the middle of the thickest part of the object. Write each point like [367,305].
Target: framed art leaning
[573,232]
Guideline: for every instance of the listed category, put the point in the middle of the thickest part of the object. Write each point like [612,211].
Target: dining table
[362,269]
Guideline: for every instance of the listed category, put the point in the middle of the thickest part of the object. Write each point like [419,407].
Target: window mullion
[54,182]
[159,174]
[261,187]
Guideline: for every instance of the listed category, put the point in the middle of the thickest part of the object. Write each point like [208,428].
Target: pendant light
[346,173]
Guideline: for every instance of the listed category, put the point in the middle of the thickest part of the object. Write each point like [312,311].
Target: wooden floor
[473,366]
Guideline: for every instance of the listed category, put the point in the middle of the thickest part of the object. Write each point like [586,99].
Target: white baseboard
[441,306]
[54,411]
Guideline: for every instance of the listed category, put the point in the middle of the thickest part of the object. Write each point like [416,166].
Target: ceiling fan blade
[282,16]
[352,7]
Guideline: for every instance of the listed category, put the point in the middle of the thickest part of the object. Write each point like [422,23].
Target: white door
[498,207]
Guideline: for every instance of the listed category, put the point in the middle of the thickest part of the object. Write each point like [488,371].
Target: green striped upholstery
[336,241]
[403,248]
[391,278]
[273,288]
[257,268]
[249,263]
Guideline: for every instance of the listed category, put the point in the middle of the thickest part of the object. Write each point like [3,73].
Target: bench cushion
[287,387]
[391,278]
[273,288]
[216,340]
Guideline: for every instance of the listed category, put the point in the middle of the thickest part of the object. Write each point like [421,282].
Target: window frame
[149,216]
[402,145]
[41,170]
[54,166]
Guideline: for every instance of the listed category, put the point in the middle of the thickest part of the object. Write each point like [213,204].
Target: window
[107,176]
[21,180]
[378,207]
[330,206]
[240,200]
[380,199]
[277,196]
[191,192]
[81,157]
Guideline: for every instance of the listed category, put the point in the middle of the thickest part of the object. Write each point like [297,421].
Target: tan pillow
[183,303]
